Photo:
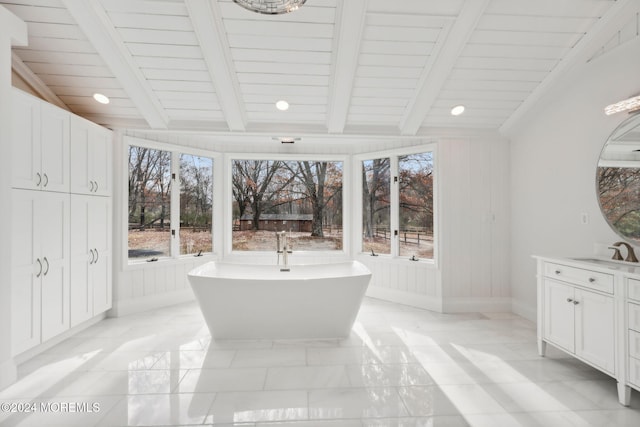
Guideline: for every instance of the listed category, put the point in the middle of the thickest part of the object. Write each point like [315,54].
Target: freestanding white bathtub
[261,302]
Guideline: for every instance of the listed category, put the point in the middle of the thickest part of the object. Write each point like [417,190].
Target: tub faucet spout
[283,248]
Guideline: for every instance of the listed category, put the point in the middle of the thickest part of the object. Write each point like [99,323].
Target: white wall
[554,154]
[474,223]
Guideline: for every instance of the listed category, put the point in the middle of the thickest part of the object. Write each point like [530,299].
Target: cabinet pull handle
[92,256]
[569,300]
[576,302]
[39,179]
[47,261]
[97,256]
[91,186]
[39,263]
[46,181]
[592,279]
[96,182]
[558,271]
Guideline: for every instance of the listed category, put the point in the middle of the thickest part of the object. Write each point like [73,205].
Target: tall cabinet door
[26,271]
[80,166]
[25,136]
[100,155]
[100,241]
[54,131]
[90,158]
[54,222]
[80,259]
[558,315]
[595,329]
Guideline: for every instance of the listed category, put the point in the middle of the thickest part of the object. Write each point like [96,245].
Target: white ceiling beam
[209,28]
[347,38]
[439,67]
[35,82]
[99,29]
[609,24]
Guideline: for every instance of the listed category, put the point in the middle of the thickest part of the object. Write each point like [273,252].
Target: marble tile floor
[400,367]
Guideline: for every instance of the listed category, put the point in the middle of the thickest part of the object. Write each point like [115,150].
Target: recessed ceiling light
[282,105]
[102,99]
[457,110]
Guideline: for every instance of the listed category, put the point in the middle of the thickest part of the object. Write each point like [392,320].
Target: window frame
[228,197]
[394,155]
[174,208]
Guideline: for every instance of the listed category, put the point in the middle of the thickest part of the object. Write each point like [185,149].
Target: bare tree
[313,176]
[375,192]
[148,171]
[253,185]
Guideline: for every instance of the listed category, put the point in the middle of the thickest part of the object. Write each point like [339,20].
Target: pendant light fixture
[271,7]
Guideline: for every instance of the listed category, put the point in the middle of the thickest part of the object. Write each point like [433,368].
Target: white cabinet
[40,144]
[40,272]
[90,158]
[633,331]
[581,322]
[581,310]
[90,257]
[52,287]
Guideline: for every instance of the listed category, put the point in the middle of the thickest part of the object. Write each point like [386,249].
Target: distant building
[278,222]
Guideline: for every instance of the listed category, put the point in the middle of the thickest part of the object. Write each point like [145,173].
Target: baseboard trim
[477,305]
[8,373]
[524,310]
[28,354]
[406,298]
[150,302]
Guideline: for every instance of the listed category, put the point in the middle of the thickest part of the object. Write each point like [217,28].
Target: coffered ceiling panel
[357,66]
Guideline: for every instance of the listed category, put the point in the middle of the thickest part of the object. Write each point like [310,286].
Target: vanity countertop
[595,263]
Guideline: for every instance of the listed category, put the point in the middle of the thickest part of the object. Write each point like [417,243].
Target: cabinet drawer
[634,316]
[579,276]
[633,289]
[634,371]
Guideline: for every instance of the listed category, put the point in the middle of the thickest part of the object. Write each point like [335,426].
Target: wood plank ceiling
[357,66]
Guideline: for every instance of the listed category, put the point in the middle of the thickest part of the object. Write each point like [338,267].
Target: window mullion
[175,204]
[395,205]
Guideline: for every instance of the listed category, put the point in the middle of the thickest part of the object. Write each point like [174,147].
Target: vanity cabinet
[40,267]
[633,324]
[578,315]
[40,149]
[581,311]
[90,158]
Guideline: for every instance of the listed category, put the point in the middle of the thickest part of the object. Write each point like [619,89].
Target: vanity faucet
[631,255]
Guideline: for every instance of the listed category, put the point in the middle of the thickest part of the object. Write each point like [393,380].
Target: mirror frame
[627,125]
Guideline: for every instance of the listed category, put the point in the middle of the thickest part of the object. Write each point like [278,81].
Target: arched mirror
[618,180]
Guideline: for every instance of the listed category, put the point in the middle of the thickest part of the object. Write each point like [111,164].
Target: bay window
[170,203]
[300,197]
[398,204]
